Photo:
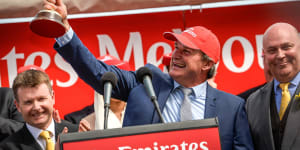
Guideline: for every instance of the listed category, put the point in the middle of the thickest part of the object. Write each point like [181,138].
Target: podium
[187,135]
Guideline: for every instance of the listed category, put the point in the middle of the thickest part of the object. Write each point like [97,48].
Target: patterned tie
[186,107]
[285,98]
[49,143]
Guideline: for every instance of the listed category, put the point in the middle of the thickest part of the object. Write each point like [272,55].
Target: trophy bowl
[48,23]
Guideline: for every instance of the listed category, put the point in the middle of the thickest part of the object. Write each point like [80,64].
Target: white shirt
[112,122]
[35,132]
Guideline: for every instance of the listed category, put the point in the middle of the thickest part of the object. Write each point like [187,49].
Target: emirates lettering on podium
[203,145]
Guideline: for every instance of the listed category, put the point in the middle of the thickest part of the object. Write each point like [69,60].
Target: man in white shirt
[35,100]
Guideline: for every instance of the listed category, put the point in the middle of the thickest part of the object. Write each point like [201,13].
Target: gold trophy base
[48,23]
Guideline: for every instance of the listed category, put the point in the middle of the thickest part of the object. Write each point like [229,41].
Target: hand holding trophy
[52,20]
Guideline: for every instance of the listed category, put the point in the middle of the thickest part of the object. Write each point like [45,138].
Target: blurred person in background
[10,119]
[77,116]
[95,120]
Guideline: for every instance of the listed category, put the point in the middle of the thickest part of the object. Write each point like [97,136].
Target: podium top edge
[140,129]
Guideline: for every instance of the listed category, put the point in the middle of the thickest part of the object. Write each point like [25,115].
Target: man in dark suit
[35,99]
[197,50]
[273,111]
[10,119]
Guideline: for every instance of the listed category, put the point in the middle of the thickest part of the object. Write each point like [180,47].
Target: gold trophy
[48,23]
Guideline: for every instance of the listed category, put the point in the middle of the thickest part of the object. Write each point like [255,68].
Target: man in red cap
[167,60]
[183,94]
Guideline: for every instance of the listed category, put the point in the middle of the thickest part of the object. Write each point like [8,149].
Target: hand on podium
[57,144]
[84,126]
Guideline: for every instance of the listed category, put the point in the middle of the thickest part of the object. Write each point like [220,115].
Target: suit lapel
[265,113]
[29,139]
[292,126]
[210,103]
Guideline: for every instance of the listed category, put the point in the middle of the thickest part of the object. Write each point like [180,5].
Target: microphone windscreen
[141,72]
[109,77]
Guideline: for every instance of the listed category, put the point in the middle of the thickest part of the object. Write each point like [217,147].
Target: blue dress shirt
[171,112]
[292,88]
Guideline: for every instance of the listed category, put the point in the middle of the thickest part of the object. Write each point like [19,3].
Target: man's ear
[17,105]
[207,65]
[53,96]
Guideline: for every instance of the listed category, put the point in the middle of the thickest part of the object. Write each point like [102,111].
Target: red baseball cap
[200,38]
[111,60]
[167,59]
[30,67]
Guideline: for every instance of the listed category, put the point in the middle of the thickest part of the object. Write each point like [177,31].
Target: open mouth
[282,64]
[37,115]
[179,65]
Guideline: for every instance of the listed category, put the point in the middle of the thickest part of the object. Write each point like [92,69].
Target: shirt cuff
[66,38]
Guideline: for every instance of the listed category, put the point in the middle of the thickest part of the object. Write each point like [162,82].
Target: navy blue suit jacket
[233,124]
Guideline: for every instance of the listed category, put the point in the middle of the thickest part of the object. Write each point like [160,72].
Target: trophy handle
[48,23]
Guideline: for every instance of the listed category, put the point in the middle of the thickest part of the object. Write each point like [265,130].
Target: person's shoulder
[13,142]
[152,67]
[71,127]
[226,101]
[228,96]
[16,137]
[248,92]
[5,91]
[259,92]
[155,70]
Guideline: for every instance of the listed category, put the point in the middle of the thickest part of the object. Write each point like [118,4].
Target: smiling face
[282,51]
[36,105]
[187,66]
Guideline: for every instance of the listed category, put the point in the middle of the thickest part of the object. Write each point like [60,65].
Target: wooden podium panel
[188,135]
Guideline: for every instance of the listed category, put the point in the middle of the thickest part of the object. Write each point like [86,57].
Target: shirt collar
[294,82]
[199,90]
[36,131]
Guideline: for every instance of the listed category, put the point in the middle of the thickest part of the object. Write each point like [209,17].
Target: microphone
[108,81]
[144,75]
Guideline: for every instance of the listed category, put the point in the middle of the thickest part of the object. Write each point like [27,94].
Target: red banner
[138,39]
[202,139]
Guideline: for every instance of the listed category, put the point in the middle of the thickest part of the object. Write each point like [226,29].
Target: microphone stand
[107,96]
[154,100]
[106,112]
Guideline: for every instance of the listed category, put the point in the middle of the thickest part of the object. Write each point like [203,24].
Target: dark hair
[212,72]
[30,78]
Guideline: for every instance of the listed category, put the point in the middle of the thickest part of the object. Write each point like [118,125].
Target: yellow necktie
[49,143]
[285,98]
